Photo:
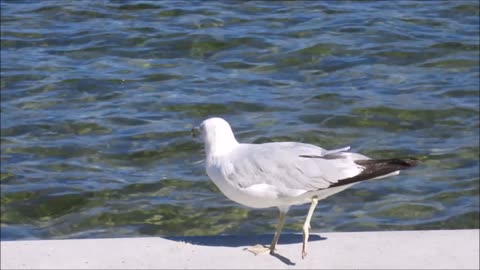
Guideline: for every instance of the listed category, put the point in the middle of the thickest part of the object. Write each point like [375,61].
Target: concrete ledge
[453,249]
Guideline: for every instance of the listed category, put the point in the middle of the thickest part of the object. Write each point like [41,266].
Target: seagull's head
[216,134]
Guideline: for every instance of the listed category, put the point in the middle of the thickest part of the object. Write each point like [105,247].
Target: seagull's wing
[290,168]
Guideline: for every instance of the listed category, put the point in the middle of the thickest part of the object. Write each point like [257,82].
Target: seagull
[282,174]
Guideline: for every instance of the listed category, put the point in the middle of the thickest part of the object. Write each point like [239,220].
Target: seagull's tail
[378,168]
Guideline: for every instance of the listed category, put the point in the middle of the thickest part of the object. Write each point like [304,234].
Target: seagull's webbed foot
[263,249]
[259,249]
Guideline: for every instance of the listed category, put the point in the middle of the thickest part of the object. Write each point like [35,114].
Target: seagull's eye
[196,132]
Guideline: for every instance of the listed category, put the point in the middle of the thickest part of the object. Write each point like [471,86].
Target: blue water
[98,98]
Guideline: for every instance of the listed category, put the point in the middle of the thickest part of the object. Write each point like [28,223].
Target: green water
[98,99]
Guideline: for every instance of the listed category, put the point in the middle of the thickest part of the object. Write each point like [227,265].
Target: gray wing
[288,167]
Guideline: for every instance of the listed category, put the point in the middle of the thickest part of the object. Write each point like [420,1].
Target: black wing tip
[407,162]
[411,161]
[378,167]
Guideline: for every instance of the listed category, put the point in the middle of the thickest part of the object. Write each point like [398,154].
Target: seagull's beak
[195,132]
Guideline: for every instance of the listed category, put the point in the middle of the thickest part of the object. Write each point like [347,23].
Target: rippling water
[98,98]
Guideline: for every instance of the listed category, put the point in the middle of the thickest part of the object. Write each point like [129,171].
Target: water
[98,98]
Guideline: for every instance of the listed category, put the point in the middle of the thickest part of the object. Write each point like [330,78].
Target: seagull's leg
[306,226]
[281,221]
[261,249]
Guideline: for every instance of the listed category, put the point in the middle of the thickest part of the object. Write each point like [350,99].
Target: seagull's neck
[219,146]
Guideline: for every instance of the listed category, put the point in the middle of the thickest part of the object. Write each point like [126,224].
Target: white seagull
[282,174]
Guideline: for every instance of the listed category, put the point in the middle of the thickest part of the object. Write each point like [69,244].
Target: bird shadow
[246,240]
[283,259]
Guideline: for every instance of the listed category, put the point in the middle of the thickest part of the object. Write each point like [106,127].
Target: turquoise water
[98,99]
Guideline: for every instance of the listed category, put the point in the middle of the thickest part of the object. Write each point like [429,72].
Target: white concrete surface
[452,249]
